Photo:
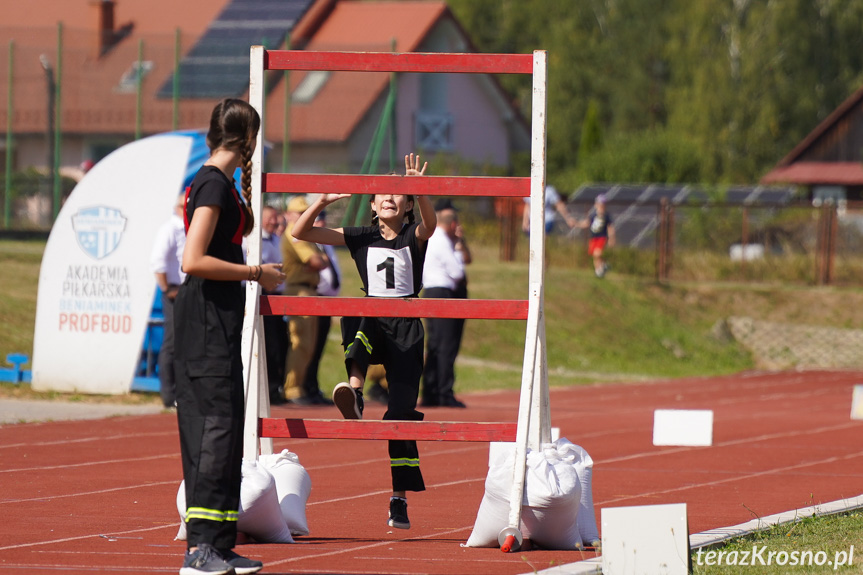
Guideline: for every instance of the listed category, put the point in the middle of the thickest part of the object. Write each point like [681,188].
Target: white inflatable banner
[95,285]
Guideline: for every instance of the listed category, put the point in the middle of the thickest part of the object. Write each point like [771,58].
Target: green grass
[19,282]
[832,535]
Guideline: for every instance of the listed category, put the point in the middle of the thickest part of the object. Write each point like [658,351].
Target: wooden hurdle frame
[534,422]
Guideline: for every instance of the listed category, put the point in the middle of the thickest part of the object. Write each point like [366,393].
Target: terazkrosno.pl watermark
[762,555]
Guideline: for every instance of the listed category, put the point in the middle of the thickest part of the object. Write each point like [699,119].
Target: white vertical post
[253,336]
[533,421]
[540,424]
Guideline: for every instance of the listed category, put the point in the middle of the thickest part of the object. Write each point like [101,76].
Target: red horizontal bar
[359,429]
[425,186]
[393,307]
[470,63]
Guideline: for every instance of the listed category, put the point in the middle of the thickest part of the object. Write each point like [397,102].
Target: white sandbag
[260,515]
[551,498]
[293,486]
[181,509]
[586,514]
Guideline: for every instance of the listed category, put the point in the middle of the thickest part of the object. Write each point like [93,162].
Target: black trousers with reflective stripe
[397,344]
[209,372]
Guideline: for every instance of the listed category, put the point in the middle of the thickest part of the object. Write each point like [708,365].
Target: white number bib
[390,272]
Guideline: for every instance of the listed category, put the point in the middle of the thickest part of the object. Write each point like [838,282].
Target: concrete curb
[29,411]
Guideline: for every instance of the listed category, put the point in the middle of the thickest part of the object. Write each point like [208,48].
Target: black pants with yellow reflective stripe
[209,374]
[397,344]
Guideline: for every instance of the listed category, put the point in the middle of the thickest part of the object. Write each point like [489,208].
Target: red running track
[99,496]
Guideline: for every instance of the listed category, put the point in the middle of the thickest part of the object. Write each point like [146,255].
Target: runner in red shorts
[598,221]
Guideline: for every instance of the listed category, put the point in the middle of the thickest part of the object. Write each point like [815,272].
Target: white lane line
[731,442]
[81,537]
[733,479]
[91,439]
[353,549]
[85,493]
[88,463]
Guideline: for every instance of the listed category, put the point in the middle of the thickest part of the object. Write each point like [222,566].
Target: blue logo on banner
[98,230]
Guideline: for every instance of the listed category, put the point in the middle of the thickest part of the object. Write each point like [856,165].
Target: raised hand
[327,199]
[412,165]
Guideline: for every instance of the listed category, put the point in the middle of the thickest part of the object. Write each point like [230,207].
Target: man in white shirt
[165,261]
[444,277]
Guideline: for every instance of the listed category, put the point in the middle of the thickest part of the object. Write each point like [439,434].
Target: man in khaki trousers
[302,262]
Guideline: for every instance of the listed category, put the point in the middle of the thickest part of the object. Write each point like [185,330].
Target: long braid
[246,184]
[234,125]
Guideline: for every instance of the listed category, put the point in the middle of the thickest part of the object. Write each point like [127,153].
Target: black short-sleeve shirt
[212,188]
[388,268]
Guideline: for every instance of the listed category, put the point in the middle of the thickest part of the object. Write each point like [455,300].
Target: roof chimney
[105,26]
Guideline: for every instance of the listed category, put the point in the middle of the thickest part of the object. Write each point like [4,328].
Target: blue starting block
[15,374]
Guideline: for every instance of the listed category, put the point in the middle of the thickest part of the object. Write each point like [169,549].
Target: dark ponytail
[410,213]
[234,125]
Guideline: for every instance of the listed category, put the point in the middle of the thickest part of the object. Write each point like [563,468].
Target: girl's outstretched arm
[305,229]
[428,219]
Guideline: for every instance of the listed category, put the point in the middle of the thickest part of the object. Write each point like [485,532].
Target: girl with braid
[389,255]
[208,318]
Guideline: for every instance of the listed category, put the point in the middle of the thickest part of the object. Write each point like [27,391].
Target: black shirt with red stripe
[212,188]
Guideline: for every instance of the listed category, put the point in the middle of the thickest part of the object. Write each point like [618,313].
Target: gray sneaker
[242,565]
[206,560]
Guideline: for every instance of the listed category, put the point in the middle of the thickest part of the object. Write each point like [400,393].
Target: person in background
[389,257]
[281,225]
[444,277]
[598,222]
[275,326]
[165,263]
[208,321]
[554,206]
[329,284]
[302,263]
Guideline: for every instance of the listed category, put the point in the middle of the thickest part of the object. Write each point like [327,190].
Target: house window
[129,81]
[309,86]
[433,131]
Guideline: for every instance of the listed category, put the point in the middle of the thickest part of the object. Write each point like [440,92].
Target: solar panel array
[682,194]
[218,64]
[634,207]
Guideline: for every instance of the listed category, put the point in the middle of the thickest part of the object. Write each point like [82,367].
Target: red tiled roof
[347,96]
[809,173]
[92,105]
[89,89]
[149,16]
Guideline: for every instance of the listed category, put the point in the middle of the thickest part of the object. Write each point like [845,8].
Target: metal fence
[796,243]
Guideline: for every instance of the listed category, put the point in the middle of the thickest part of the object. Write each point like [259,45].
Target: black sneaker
[399,513]
[206,560]
[242,565]
[349,400]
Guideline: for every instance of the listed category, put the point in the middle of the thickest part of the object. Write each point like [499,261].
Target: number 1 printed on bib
[390,272]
